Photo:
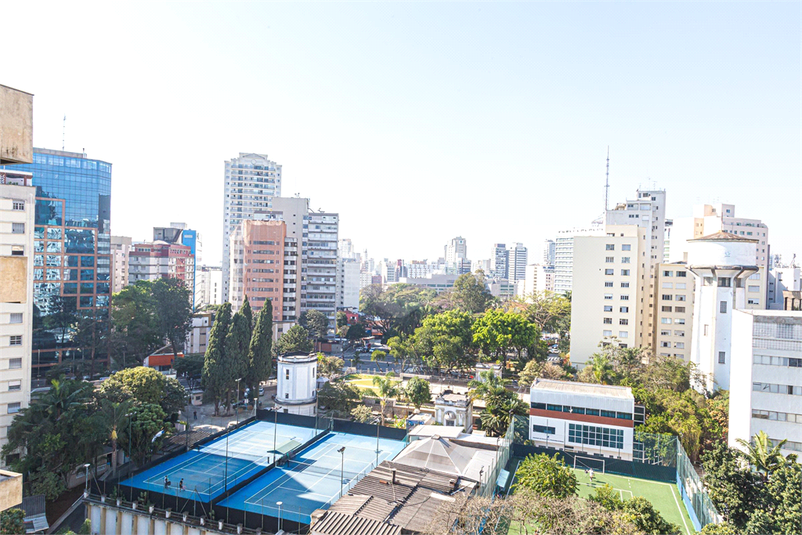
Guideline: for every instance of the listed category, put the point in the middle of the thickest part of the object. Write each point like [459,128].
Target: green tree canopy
[498,332]
[260,350]
[329,367]
[339,398]
[342,319]
[445,341]
[469,294]
[399,308]
[386,388]
[173,302]
[316,323]
[361,414]
[500,404]
[294,340]
[356,332]
[418,391]
[213,376]
[12,521]
[236,361]
[136,328]
[546,476]
[144,385]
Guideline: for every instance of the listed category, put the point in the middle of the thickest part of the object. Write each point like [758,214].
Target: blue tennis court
[222,463]
[312,478]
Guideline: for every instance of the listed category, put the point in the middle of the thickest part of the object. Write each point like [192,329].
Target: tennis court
[208,471]
[311,480]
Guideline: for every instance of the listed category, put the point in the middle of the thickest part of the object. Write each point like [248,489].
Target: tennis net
[327,471]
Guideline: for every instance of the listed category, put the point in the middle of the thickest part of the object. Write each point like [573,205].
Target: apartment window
[665,333]
[722,307]
[625,260]
[722,359]
[15,340]
[608,296]
[18,228]
[666,309]
[609,271]
[626,247]
[623,309]
[680,309]
[623,334]
[17,250]
[666,297]
[679,333]
[752,288]
[15,317]
[753,301]
[609,259]
[624,285]
[14,364]
[546,430]
[14,386]
[18,206]
[668,273]
[625,273]
[754,277]
[623,321]
[608,321]
[608,284]
[681,273]
[680,297]
[679,345]
[13,408]
[668,285]
[610,247]
[607,333]
[608,308]
[724,282]
[286,374]
[679,321]
[665,344]
[680,286]
[624,298]
[665,320]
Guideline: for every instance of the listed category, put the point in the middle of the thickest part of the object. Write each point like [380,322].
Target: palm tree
[602,369]
[489,385]
[386,388]
[762,454]
[115,417]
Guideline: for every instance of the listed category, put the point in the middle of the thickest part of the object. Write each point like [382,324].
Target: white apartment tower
[348,283]
[549,250]
[516,267]
[120,249]
[499,261]
[251,182]
[456,251]
[564,255]
[721,264]
[17,205]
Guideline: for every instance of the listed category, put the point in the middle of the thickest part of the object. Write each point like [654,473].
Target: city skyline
[700,98]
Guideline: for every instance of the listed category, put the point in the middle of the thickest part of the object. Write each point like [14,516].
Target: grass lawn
[363,381]
[663,496]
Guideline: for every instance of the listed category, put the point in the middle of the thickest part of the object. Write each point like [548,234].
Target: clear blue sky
[420,122]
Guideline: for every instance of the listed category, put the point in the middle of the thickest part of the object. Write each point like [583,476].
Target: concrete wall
[10,489]
[109,518]
[16,126]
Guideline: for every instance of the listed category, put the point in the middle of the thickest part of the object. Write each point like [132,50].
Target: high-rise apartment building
[539,279]
[516,266]
[208,286]
[673,311]
[456,253]
[17,206]
[549,252]
[348,283]
[564,255]
[499,261]
[151,261]
[178,233]
[120,249]
[251,182]
[71,262]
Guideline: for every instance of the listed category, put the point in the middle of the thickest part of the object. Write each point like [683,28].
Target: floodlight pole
[275,427]
[378,421]
[86,481]
[341,451]
[279,514]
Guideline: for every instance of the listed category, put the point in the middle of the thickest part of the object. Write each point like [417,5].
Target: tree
[260,351]
[92,334]
[329,367]
[339,399]
[607,497]
[316,323]
[377,355]
[598,370]
[361,414]
[144,385]
[498,332]
[296,339]
[173,303]
[189,366]
[12,521]
[762,454]
[546,476]
[341,319]
[212,377]
[469,293]
[731,484]
[418,391]
[247,311]
[147,419]
[115,417]
[500,404]
[534,370]
[445,341]
[386,388]
[356,332]
[400,308]
[135,324]
[642,513]
[236,362]
[403,349]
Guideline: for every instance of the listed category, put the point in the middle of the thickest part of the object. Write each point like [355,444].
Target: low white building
[583,418]
[454,410]
[766,377]
[198,336]
[297,383]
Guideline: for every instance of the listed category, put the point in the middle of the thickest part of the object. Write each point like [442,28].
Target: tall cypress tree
[212,377]
[236,353]
[260,361]
[248,313]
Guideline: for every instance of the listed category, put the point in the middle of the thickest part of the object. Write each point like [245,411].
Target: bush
[546,476]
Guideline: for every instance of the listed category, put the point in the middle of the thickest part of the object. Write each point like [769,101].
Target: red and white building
[582,418]
[161,260]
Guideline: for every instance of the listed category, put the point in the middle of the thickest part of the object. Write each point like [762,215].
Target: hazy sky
[420,122]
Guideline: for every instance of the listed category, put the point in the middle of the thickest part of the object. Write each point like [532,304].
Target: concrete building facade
[161,260]
[208,286]
[517,258]
[296,392]
[120,251]
[499,261]
[564,255]
[251,181]
[348,284]
[672,333]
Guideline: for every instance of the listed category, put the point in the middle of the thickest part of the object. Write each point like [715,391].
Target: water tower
[297,379]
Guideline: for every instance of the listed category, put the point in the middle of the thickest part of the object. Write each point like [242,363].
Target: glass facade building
[72,263]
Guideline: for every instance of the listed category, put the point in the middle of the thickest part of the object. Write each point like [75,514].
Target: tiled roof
[723,236]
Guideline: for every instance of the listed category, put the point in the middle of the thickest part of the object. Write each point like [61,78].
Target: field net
[586,463]
[323,470]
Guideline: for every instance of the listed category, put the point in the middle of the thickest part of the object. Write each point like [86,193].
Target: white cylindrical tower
[297,380]
[721,263]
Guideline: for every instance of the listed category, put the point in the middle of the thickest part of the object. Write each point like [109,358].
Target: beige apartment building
[120,251]
[673,311]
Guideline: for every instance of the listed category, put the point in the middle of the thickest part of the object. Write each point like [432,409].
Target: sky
[419,122]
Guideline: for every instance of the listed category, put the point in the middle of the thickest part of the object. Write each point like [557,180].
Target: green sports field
[663,496]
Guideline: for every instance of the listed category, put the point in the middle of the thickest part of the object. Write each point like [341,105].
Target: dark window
[544,429]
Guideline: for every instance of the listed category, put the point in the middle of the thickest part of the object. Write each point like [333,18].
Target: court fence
[488,487]
[656,456]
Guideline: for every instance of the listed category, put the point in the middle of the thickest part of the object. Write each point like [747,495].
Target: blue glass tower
[72,263]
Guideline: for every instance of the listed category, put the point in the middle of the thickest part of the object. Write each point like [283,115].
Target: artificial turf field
[663,496]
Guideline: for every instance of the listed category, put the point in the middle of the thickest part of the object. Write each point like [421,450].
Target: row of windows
[777,361]
[624,247]
[791,390]
[671,285]
[596,436]
[668,333]
[679,310]
[621,334]
[611,259]
[677,321]
[624,272]
[677,345]
[622,297]
[778,416]
[545,429]
[678,274]
[669,297]
[609,308]
[609,284]
[582,410]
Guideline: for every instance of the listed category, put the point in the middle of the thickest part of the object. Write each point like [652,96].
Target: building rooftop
[431,430]
[298,357]
[459,458]
[724,236]
[453,399]
[569,387]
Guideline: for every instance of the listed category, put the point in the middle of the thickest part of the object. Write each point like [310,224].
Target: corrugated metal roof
[334,523]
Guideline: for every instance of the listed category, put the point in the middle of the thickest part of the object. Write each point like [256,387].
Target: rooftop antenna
[63,131]
[607,180]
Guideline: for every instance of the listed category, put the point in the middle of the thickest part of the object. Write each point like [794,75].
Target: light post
[279,514]
[275,427]
[378,421]
[86,482]
[341,451]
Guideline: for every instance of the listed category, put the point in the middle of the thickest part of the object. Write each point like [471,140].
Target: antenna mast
[607,180]
[63,131]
